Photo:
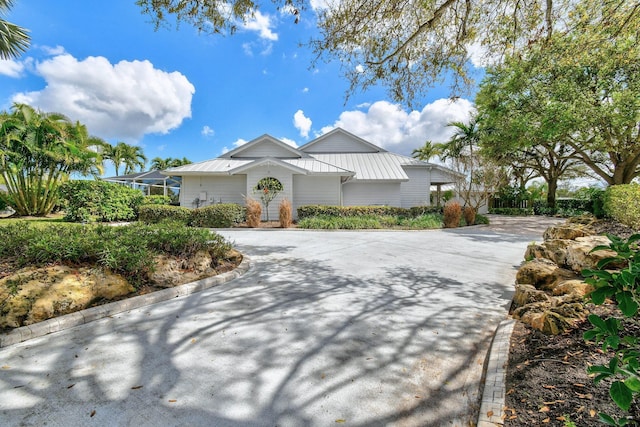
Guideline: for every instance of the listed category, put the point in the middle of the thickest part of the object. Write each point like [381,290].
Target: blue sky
[178,93]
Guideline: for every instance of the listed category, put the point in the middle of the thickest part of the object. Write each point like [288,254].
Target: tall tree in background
[158,163]
[38,153]
[522,128]
[479,177]
[130,156]
[427,151]
[409,46]
[14,40]
[562,107]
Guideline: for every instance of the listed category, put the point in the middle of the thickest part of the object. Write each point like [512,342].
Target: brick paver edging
[493,396]
[57,324]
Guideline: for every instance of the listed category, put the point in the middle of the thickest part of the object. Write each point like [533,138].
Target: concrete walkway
[327,328]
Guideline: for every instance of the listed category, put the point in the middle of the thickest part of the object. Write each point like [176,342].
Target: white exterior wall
[340,143]
[415,192]
[283,175]
[225,189]
[371,193]
[315,190]
[265,149]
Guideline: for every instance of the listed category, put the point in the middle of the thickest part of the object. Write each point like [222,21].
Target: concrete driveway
[328,328]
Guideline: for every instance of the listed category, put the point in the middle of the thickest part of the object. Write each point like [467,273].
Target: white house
[338,168]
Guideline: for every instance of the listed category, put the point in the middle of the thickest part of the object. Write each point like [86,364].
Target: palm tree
[464,140]
[14,40]
[158,163]
[39,152]
[131,156]
[427,151]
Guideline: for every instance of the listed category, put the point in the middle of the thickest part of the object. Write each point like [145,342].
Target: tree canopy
[14,40]
[560,107]
[409,46]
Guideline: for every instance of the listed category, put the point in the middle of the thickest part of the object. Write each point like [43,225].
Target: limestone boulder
[542,273]
[572,287]
[567,231]
[170,271]
[555,316]
[535,250]
[579,255]
[528,294]
[33,295]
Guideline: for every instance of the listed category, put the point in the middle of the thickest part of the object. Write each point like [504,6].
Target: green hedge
[622,203]
[512,211]
[156,200]
[89,201]
[222,215]
[308,211]
[153,214]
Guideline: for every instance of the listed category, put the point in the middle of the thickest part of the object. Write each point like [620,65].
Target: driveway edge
[81,317]
[493,396]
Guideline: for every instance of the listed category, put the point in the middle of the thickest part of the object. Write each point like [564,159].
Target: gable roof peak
[371,148]
[260,140]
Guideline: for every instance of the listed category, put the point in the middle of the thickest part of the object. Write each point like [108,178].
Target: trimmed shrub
[452,215]
[622,203]
[481,219]
[156,200]
[351,211]
[222,215]
[253,210]
[89,201]
[417,211]
[285,213]
[469,214]
[512,211]
[152,214]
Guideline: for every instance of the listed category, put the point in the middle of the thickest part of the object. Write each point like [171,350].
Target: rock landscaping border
[81,317]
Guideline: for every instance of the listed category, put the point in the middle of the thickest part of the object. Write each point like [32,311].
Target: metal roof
[370,166]
[224,166]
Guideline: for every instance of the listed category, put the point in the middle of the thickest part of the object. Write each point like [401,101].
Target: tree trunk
[551,193]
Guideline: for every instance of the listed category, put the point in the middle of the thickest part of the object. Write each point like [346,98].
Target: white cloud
[390,126]
[53,51]
[11,68]
[305,90]
[124,100]
[207,131]
[247,48]
[319,4]
[236,144]
[290,142]
[162,147]
[261,24]
[480,57]
[302,123]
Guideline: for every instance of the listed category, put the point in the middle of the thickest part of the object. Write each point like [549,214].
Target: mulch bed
[547,381]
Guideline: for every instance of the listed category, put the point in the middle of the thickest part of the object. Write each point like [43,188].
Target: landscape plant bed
[48,270]
[547,380]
